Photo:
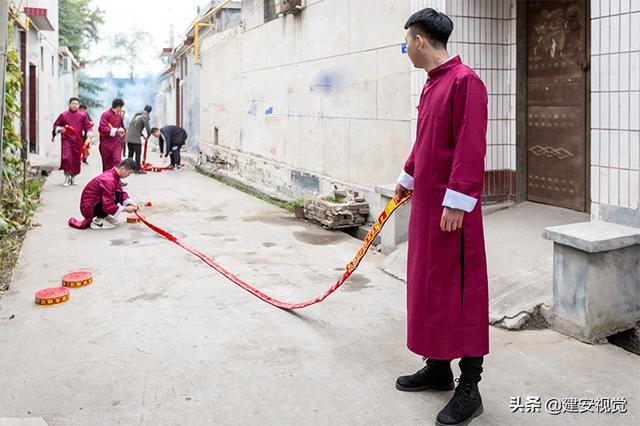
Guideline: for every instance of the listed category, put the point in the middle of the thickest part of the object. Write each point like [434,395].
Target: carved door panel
[556,103]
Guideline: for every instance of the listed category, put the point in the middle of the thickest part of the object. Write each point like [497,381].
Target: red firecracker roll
[77,279]
[52,296]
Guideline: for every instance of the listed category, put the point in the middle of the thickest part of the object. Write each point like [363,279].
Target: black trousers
[135,151]
[174,153]
[98,210]
[470,367]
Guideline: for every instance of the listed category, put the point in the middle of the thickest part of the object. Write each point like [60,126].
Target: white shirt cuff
[406,180]
[58,129]
[113,131]
[459,201]
[127,202]
[89,134]
[120,210]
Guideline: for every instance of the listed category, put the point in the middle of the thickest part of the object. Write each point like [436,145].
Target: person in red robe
[72,125]
[111,133]
[447,286]
[103,199]
[86,148]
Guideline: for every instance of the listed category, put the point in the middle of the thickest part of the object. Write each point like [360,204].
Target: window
[216,136]
[52,65]
[270,10]
[41,58]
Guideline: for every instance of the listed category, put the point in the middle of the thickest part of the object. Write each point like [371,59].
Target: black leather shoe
[433,376]
[465,405]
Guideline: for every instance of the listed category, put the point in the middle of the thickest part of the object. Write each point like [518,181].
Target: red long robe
[77,123]
[100,189]
[447,286]
[110,146]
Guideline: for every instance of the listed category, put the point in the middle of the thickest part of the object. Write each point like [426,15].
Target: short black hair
[153,130]
[148,108]
[128,164]
[83,106]
[435,26]
[73,99]
[117,102]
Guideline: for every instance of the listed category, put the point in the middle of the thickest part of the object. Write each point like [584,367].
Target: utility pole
[4,22]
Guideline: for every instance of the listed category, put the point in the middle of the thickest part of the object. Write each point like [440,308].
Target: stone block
[596,279]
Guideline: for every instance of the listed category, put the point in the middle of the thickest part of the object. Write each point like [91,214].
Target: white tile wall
[615,102]
[485,37]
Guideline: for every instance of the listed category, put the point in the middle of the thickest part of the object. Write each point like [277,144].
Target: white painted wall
[48,107]
[323,93]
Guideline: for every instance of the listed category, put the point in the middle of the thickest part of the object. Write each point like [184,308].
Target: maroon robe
[110,146]
[447,286]
[76,124]
[100,189]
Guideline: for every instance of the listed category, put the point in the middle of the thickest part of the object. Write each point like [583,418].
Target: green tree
[79,25]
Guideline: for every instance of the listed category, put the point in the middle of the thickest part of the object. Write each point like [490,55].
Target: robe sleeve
[57,125]
[108,199]
[469,130]
[103,127]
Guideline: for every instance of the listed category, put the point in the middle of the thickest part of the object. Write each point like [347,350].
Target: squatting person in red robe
[74,125]
[111,132]
[103,199]
[447,288]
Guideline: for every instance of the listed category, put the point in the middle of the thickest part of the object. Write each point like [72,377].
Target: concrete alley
[160,338]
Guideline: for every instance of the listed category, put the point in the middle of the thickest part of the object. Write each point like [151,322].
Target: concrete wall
[305,101]
[615,111]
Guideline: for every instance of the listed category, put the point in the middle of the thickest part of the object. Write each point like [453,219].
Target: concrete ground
[159,338]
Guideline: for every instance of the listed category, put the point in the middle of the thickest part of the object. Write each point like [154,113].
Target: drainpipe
[196,51]
[4,30]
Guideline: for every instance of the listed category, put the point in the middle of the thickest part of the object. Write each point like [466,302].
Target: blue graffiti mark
[253,108]
[403,47]
[325,82]
[269,111]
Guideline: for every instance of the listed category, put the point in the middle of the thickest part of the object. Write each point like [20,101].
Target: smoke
[136,94]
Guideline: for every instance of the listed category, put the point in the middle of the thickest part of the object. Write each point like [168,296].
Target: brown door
[178,103]
[23,91]
[557,103]
[33,108]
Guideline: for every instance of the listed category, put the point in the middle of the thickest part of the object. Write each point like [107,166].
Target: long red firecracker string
[349,269]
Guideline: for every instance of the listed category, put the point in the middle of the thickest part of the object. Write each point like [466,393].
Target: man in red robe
[111,133]
[87,141]
[447,286]
[72,124]
[103,199]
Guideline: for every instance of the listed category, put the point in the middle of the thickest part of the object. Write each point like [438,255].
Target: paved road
[160,338]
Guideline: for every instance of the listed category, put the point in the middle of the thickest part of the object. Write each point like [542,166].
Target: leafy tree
[78,29]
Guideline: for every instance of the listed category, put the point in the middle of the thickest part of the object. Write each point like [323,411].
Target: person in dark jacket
[139,122]
[171,140]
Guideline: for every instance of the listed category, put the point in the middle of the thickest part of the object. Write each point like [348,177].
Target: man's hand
[451,219]
[401,191]
[131,208]
[62,130]
[121,131]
